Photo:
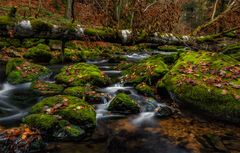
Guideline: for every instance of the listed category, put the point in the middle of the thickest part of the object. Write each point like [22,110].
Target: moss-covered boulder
[62,117]
[145,89]
[81,74]
[86,93]
[209,82]
[40,53]
[123,103]
[148,70]
[70,56]
[20,71]
[47,88]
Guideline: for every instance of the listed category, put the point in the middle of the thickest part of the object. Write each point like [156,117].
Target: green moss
[148,70]
[40,26]
[74,131]
[231,49]
[20,71]
[76,111]
[41,121]
[39,53]
[79,91]
[205,81]
[81,74]
[98,32]
[46,89]
[168,48]
[123,103]
[208,38]
[6,21]
[144,89]
[31,42]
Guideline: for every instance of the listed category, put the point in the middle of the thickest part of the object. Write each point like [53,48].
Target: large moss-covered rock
[86,93]
[148,70]
[123,103]
[40,53]
[209,82]
[20,71]
[47,88]
[62,116]
[81,74]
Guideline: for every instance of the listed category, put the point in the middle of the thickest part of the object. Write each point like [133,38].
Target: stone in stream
[62,117]
[148,70]
[208,82]
[87,93]
[163,111]
[20,71]
[81,74]
[47,88]
[124,104]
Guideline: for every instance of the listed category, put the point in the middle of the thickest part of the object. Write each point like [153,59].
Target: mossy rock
[81,74]
[40,53]
[31,42]
[148,70]
[84,92]
[209,82]
[6,42]
[66,115]
[6,21]
[123,103]
[98,32]
[73,55]
[46,88]
[145,89]
[20,71]
[41,121]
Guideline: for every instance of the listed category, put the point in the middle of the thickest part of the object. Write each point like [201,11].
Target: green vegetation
[207,81]
[21,71]
[148,70]
[40,53]
[46,88]
[144,89]
[123,103]
[81,74]
[67,114]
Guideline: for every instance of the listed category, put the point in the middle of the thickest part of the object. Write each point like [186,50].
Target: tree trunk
[70,10]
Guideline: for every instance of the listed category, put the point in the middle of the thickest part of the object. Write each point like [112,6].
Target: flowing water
[115,133]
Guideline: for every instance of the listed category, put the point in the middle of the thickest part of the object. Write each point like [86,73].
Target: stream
[115,133]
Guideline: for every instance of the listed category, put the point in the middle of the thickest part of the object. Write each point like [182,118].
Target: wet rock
[46,88]
[62,117]
[148,70]
[21,140]
[123,103]
[163,111]
[208,82]
[87,93]
[40,53]
[128,92]
[20,71]
[81,74]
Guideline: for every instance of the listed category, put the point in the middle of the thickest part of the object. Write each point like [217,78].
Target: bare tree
[70,10]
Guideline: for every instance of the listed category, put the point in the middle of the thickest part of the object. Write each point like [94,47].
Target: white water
[13,111]
[136,56]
